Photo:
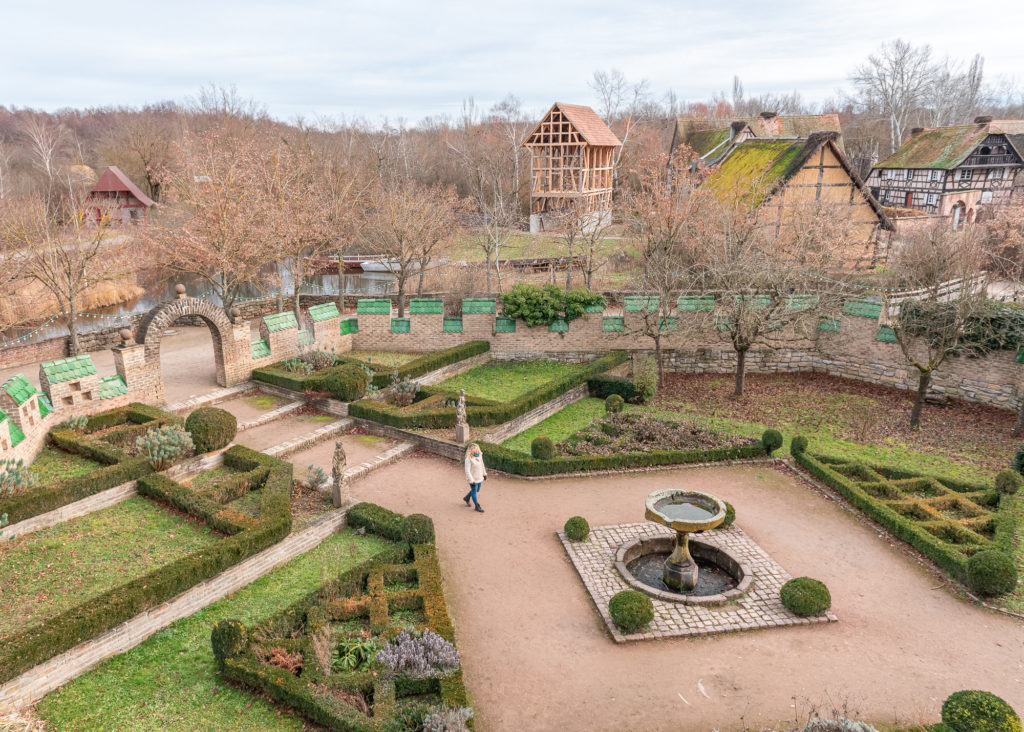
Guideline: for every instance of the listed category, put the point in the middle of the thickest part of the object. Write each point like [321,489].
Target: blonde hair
[471,448]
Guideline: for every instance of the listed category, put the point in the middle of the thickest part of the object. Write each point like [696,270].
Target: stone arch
[157,320]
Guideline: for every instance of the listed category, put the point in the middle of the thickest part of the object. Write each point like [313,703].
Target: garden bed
[508,381]
[174,679]
[613,434]
[384,360]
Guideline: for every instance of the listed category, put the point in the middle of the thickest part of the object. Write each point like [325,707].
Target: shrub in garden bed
[393,678]
[542,448]
[632,432]
[577,529]
[604,386]
[346,383]
[246,536]
[211,428]
[991,573]
[1008,481]
[979,711]
[164,446]
[772,440]
[805,596]
[631,610]
[613,404]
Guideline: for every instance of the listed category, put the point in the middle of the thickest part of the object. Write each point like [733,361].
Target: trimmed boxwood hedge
[277,375]
[119,467]
[211,428]
[32,645]
[519,463]
[480,415]
[945,555]
[358,592]
[605,385]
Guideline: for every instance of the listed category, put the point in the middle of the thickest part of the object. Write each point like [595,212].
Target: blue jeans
[473,490]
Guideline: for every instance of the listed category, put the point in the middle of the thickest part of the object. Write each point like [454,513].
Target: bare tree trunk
[423,271]
[401,297]
[741,370]
[1018,428]
[72,323]
[487,268]
[297,285]
[923,381]
[661,365]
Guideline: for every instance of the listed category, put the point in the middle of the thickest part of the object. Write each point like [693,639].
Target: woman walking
[476,474]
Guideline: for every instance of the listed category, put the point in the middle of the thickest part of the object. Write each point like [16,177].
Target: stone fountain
[683,512]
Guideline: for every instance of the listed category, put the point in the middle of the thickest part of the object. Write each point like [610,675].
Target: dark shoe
[480,510]
[466,499]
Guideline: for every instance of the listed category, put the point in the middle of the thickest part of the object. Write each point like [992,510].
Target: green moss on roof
[68,369]
[760,164]
[939,148]
[704,141]
[280,321]
[19,389]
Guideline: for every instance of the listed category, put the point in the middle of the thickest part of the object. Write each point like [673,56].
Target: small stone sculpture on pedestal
[461,424]
[340,485]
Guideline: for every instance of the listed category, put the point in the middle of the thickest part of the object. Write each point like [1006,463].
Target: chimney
[771,122]
[983,120]
[915,131]
[769,115]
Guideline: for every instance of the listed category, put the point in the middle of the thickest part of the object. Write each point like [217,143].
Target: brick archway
[157,320]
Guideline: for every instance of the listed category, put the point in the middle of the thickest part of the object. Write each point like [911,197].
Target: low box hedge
[119,467]
[22,650]
[357,593]
[480,415]
[949,556]
[519,463]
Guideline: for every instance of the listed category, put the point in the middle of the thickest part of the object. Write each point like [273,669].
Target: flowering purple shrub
[419,655]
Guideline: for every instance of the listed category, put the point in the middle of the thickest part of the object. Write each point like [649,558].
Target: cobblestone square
[594,560]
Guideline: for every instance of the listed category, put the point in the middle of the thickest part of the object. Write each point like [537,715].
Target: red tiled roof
[114,181]
[587,123]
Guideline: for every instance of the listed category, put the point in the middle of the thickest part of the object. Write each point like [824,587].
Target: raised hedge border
[944,554]
[277,375]
[520,463]
[358,592]
[119,467]
[479,415]
[27,648]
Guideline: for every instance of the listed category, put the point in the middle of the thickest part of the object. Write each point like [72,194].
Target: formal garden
[345,624]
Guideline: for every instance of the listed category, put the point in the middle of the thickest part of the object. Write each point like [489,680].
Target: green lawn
[388,359]
[53,465]
[170,682]
[205,480]
[49,571]
[559,425]
[1015,600]
[504,382]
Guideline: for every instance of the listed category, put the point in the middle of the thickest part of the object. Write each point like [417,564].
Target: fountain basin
[684,510]
[702,552]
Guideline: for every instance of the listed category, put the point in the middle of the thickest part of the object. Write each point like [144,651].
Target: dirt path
[358,449]
[281,430]
[537,657]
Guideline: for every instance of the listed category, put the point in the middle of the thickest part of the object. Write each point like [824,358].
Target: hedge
[277,375]
[604,386]
[119,467]
[481,415]
[22,650]
[519,463]
[356,593]
[945,555]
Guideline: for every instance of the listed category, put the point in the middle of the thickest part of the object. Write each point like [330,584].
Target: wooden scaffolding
[571,167]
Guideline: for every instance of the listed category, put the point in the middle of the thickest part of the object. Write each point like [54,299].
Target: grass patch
[170,681]
[387,359]
[505,382]
[49,571]
[559,425]
[205,480]
[265,402]
[1015,600]
[53,465]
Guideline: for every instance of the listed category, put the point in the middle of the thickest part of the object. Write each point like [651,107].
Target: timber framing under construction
[572,159]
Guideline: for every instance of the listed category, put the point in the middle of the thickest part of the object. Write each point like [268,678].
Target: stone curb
[270,416]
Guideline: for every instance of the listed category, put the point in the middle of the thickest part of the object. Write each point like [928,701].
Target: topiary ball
[613,404]
[798,445]
[772,440]
[979,711]
[991,572]
[577,529]
[542,448]
[631,610]
[1008,481]
[730,516]
[418,529]
[346,383]
[211,428]
[805,596]
[229,639]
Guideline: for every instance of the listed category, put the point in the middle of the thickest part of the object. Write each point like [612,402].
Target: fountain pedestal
[683,512]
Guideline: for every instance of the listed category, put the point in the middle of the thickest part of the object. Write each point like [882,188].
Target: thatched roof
[944,148]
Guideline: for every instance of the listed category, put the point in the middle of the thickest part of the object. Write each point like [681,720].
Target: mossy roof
[66,369]
[703,142]
[19,389]
[760,164]
[943,148]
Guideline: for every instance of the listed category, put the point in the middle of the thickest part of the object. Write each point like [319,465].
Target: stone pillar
[144,379]
[339,488]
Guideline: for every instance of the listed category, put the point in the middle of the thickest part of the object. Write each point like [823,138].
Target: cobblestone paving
[594,559]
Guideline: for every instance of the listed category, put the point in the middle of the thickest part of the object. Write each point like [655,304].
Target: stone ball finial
[235,314]
[180,290]
[126,336]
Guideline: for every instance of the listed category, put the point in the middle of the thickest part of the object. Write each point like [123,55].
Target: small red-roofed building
[115,193]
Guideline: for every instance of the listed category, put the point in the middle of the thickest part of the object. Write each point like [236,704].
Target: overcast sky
[405,59]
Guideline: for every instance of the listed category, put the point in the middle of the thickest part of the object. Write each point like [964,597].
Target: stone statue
[340,483]
[461,423]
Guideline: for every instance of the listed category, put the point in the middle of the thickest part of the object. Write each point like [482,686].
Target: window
[966,174]
[935,175]
[932,199]
[986,151]
[908,174]
[995,173]
[890,174]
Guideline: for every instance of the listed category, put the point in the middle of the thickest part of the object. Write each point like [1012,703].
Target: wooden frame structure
[572,161]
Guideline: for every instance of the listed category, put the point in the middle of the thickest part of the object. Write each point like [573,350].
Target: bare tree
[939,320]
[67,244]
[897,80]
[620,99]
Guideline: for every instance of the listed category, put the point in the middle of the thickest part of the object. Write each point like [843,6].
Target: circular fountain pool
[722,576]
[650,570]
